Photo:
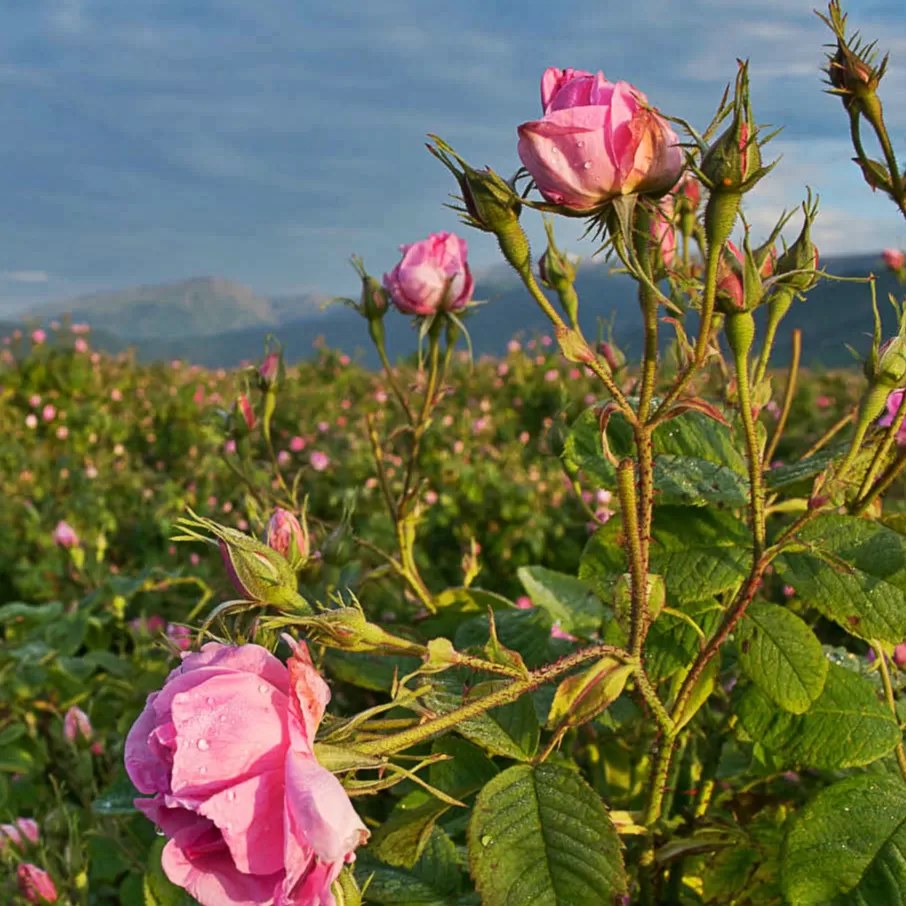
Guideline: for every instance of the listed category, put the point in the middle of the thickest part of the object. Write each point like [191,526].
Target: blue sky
[267,140]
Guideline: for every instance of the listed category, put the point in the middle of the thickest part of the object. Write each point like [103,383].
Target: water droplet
[204,745]
[263,688]
[555,150]
[202,770]
[222,718]
[587,165]
[580,144]
[159,831]
[231,795]
[486,840]
[209,700]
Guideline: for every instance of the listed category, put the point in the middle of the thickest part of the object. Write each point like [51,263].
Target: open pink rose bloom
[226,749]
[433,276]
[597,140]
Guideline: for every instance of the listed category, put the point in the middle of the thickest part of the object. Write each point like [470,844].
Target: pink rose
[894,258]
[75,722]
[297,444]
[286,535]
[597,140]
[893,404]
[248,413]
[35,884]
[432,276]
[65,535]
[319,461]
[226,750]
[180,636]
[38,336]
[22,827]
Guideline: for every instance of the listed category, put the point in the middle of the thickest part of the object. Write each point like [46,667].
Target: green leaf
[783,476]
[846,726]
[457,604]
[686,481]
[402,838]
[540,834]
[118,798]
[368,671]
[569,601]
[433,881]
[30,614]
[782,656]
[526,631]
[159,891]
[699,552]
[727,873]
[846,847]
[696,462]
[672,642]
[869,598]
[466,771]
[511,730]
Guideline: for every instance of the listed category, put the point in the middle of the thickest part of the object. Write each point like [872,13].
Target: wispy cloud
[25,276]
[266,140]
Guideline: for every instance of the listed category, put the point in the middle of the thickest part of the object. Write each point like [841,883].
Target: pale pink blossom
[226,751]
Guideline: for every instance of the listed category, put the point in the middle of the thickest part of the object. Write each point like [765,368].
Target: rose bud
[65,535]
[35,884]
[596,141]
[75,722]
[269,372]
[894,259]
[226,751]
[289,537]
[433,276]
[244,407]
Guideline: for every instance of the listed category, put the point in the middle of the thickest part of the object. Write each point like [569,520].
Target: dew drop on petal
[231,795]
[202,770]
[587,165]
[203,744]
[263,688]
[210,701]
[580,144]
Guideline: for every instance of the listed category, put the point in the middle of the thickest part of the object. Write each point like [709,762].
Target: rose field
[560,627]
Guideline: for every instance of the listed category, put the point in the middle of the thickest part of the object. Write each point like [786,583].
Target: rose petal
[213,879]
[244,658]
[319,812]
[142,761]
[309,698]
[250,817]
[228,729]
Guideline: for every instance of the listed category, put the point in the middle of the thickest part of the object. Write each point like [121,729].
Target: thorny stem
[888,477]
[704,334]
[788,395]
[509,693]
[754,456]
[881,659]
[638,576]
[392,381]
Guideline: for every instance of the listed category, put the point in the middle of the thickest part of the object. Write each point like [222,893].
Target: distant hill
[218,323]
[198,307]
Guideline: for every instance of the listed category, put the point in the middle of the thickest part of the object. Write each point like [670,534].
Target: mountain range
[217,322]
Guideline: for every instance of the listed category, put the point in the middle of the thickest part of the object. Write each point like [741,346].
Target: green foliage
[846,846]
[541,833]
